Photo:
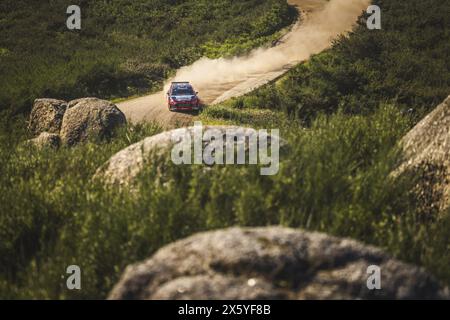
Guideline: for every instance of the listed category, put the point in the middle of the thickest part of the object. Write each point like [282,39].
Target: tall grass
[335,177]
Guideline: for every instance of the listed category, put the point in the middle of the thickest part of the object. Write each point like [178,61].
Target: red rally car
[182,96]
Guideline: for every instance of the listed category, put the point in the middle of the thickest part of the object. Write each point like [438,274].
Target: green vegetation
[342,113]
[405,63]
[124,47]
[336,98]
[264,33]
[252,117]
[334,178]
[50,215]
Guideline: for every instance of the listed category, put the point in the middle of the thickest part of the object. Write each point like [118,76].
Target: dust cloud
[220,79]
[321,22]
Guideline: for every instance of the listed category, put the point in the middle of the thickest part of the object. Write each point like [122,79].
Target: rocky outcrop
[75,122]
[90,118]
[125,166]
[271,263]
[46,116]
[427,156]
[46,140]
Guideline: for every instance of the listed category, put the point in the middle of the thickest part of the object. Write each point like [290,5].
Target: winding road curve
[220,79]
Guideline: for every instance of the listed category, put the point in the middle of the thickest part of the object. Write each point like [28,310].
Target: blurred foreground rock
[271,263]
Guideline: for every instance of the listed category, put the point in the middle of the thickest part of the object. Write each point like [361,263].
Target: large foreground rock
[125,166]
[46,116]
[90,118]
[271,263]
[427,153]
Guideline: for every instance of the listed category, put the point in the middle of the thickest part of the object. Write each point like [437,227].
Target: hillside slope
[124,47]
[405,63]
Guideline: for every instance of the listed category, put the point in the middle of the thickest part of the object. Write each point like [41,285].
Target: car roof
[181,85]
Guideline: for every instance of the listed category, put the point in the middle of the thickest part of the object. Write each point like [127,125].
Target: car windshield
[182,92]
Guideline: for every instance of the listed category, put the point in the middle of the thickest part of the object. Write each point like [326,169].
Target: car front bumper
[184,106]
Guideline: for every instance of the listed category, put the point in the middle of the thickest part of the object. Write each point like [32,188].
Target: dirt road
[220,79]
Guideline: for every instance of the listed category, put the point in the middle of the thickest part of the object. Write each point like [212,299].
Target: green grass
[250,117]
[335,177]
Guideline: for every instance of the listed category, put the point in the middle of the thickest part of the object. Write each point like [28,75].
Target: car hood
[184,98]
